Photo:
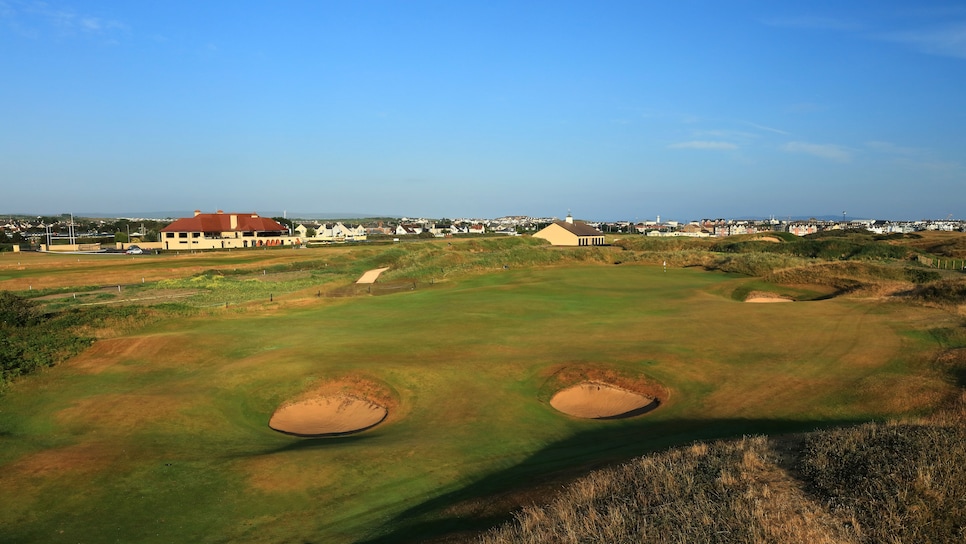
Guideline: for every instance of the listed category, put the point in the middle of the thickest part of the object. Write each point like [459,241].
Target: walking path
[371,275]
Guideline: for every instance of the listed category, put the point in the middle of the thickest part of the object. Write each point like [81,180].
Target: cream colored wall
[557,235]
[70,247]
[142,245]
[560,236]
[192,242]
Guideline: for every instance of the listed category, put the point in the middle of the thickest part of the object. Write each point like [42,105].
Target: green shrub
[15,311]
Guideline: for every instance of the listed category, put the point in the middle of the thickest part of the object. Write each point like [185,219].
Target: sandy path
[371,275]
[327,416]
[597,401]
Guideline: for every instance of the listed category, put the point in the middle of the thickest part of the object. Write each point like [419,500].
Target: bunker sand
[371,276]
[327,416]
[592,400]
[762,297]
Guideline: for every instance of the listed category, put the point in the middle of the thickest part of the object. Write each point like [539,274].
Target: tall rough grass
[891,482]
[946,291]
[708,492]
[878,482]
[900,482]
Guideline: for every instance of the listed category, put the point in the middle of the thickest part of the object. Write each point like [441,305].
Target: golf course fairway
[163,435]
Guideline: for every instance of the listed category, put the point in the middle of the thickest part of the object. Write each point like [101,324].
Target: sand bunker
[327,416]
[371,275]
[593,400]
[767,299]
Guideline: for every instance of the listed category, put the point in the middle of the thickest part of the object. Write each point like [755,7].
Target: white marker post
[665,267]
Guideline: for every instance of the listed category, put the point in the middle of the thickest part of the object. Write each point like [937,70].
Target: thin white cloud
[767,129]
[702,144]
[892,149]
[735,134]
[948,40]
[65,20]
[934,166]
[914,158]
[813,23]
[824,151]
[941,38]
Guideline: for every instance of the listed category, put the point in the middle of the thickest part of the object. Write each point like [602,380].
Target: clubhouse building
[225,230]
[571,233]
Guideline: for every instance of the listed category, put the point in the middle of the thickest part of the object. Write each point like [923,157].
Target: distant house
[803,229]
[571,233]
[379,229]
[352,232]
[409,229]
[224,230]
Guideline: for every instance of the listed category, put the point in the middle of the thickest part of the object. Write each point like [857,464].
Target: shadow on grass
[318,443]
[460,515]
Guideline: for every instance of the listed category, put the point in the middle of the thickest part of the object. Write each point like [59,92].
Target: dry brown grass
[946,244]
[892,482]
[709,492]
[41,271]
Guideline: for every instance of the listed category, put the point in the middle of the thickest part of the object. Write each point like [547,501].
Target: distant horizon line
[355,215]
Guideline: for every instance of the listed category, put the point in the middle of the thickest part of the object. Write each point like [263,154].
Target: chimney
[197,213]
[221,212]
[234,221]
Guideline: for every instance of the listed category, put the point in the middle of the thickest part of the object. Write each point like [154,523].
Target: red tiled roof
[221,222]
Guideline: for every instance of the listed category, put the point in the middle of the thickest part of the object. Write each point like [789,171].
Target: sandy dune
[600,401]
[371,276]
[331,415]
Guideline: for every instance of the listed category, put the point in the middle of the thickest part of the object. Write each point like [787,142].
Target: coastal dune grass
[900,481]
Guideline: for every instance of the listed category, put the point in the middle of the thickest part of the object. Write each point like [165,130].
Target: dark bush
[15,311]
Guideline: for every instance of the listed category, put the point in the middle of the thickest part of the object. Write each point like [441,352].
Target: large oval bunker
[330,415]
[597,400]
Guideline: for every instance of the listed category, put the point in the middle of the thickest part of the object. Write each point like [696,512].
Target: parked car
[134,250]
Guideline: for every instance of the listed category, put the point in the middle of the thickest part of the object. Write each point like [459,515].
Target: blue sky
[614,110]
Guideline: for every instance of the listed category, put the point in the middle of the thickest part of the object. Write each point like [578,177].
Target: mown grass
[103,448]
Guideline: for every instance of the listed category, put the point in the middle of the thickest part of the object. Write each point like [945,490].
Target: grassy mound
[873,483]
